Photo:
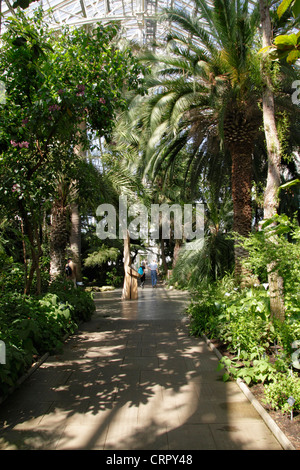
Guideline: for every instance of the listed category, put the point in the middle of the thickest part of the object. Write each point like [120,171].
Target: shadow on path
[132,378]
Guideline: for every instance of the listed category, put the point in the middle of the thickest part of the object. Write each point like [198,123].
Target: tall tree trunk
[177,247]
[162,246]
[30,232]
[163,256]
[60,229]
[241,175]
[75,239]
[35,264]
[38,267]
[59,235]
[24,253]
[274,160]
[57,263]
[130,286]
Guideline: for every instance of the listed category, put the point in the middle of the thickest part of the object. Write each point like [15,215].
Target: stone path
[132,379]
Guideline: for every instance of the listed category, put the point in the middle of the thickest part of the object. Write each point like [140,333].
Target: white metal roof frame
[139,18]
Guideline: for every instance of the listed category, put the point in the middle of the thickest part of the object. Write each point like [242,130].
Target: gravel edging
[274,428]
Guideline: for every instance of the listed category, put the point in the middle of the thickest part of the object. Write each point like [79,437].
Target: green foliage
[280,389]
[29,327]
[279,243]
[113,277]
[286,4]
[104,254]
[11,274]
[81,301]
[54,83]
[210,258]
[250,370]
[22,3]
[259,346]
[287,45]
[208,308]
[32,326]
[200,79]
[206,263]
[241,320]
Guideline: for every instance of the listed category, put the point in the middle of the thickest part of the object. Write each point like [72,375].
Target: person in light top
[154,271]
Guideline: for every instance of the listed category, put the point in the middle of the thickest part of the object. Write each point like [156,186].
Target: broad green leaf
[289,184]
[284,5]
[293,56]
[296,8]
[286,40]
[264,49]
[247,380]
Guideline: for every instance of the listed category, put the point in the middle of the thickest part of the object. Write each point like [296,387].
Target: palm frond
[98,258]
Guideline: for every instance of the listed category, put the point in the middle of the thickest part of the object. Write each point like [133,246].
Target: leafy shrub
[260,346]
[18,360]
[250,370]
[11,274]
[82,301]
[241,319]
[279,390]
[207,261]
[32,326]
[114,278]
[278,243]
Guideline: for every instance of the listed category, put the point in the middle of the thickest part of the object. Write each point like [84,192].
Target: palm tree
[203,100]
[213,256]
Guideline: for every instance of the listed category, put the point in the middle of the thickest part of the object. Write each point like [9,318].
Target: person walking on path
[71,271]
[141,272]
[154,271]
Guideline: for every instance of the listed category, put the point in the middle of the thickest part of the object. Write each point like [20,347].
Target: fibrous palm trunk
[241,196]
[239,136]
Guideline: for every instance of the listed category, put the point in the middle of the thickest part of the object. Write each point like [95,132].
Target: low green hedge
[260,347]
[31,326]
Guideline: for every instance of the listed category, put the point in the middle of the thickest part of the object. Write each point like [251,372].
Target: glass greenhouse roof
[138,17]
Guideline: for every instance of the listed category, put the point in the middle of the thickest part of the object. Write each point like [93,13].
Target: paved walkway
[132,379]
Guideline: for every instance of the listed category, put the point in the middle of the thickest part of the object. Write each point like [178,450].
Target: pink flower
[16,187]
[24,122]
[23,144]
[20,144]
[54,107]
[80,89]
[102,100]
